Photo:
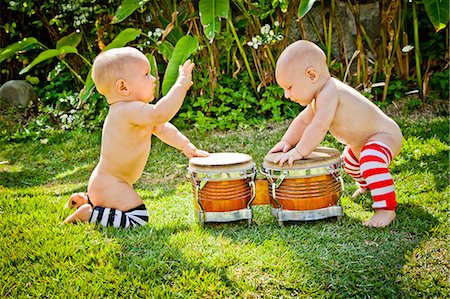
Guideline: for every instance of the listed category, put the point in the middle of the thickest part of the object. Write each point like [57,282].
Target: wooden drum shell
[223,187]
[318,186]
[223,196]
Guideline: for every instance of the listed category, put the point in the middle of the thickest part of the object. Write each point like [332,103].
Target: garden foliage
[234,44]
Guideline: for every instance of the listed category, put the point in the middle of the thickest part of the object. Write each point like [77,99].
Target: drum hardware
[294,193]
[215,205]
[225,192]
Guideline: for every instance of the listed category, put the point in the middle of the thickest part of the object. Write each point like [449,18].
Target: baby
[372,139]
[123,76]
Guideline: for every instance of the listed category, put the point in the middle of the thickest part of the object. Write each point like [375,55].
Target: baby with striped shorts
[123,76]
[372,139]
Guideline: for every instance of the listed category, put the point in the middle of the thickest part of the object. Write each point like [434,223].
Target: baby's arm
[170,135]
[167,106]
[295,131]
[326,106]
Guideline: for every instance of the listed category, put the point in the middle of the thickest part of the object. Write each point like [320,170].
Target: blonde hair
[110,65]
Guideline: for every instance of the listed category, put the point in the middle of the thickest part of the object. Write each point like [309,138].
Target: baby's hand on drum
[289,157]
[282,146]
[191,151]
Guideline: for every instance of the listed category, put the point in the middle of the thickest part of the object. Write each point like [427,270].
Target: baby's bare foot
[381,218]
[82,214]
[76,200]
[359,192]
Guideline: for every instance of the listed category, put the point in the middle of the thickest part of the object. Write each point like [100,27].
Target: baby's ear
[312,74]
[122,88]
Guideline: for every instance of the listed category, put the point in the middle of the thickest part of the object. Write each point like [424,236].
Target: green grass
[173,257]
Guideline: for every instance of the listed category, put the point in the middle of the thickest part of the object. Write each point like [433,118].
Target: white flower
[265,29]
[158,32]
[407,48]
[276,24]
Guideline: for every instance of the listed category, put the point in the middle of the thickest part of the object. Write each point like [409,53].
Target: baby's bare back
[358,120]
[124,153]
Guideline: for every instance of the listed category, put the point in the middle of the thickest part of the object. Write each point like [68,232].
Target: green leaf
[153,70]
[438,12]
[17,47]
[166,49]
[86,92]
[123,38]
[304,7]
[126,9]
[72,40]
[183,49]
[47,54]
[210,13]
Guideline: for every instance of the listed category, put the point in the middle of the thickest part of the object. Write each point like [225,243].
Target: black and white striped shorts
[137,216]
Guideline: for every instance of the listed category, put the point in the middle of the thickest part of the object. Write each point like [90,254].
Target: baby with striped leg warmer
[123,76]
[372,139]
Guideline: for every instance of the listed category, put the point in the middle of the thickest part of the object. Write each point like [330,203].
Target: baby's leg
[120,206]
[352,168]
[83,213]
[137,216]
[374,160]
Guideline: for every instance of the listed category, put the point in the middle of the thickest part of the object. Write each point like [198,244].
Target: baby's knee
[84,212]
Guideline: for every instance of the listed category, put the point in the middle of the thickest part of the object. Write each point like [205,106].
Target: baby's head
[123,74]
[301,71]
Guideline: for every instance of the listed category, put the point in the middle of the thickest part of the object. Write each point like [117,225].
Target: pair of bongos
[225,186]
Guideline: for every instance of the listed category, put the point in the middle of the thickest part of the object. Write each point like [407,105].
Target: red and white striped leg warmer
[351,167]
[373,163]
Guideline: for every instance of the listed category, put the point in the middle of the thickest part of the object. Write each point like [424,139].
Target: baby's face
[296,84]
[140,82]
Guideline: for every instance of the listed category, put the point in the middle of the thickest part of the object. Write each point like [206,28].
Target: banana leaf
[210,13]
[438,12]
[23,45]
[72,40]
[153,71]
[47,54]
[304,7]
[183,49]
[123,38]
[126,8]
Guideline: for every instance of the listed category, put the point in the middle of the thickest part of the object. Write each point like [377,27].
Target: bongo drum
[223,187]
[308,190]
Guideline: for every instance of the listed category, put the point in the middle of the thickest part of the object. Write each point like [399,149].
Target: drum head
[321,156]
[221,162]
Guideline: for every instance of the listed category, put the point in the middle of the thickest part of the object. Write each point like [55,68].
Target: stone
[18,93]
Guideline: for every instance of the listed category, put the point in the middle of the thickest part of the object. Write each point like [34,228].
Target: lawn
[173,257]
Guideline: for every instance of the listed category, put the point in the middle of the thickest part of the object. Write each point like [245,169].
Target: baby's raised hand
[185,74]
[289,157]
[283,146]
